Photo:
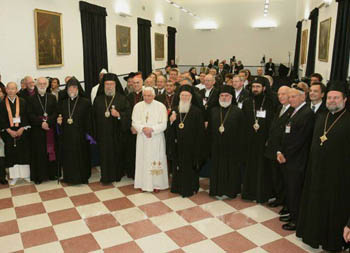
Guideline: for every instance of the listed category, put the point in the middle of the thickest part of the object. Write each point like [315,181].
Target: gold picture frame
[304,40]
[123,34]
[48,38]
[159,46]
[323,40]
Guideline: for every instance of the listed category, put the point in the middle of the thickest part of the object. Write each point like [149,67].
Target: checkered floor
[117,218]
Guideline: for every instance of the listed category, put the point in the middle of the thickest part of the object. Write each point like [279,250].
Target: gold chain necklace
[107,113]
[324,138]
[222,128]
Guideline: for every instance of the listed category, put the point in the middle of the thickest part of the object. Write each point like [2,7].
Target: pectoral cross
[323,138]
[147,117]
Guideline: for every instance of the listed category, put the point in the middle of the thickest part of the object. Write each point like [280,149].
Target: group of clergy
[289,146]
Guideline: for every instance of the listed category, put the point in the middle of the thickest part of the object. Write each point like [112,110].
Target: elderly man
[209,95]
[277,128]
[76,125]
[161,81]
[112,121]
[149,82]
[293,153]
[42,111]
[30,90]
[226,131]
[325,205]
[149,119]
[185,141]
[129,83]
[14,124]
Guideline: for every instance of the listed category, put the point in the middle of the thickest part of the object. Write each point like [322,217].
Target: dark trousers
[278,184]
[294,180]
[2,168]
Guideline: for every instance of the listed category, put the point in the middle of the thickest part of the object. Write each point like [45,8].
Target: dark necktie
[313,108]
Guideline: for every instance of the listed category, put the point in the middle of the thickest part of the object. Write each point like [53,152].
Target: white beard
[42,91]
[110,93]
[225,104]
[72,95]
[184,107]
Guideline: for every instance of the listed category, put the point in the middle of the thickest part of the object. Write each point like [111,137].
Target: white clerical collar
[72,98]
[316,106]
[169,95]
[12,100]
[207,91]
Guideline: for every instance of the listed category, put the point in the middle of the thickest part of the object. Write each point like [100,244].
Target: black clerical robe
[325,205]
[167,100]
[111,135]
[25,94]
[256,178]
[75,150]
[17,151]
[184,149]
[227,150]
[43,143]
[130,150]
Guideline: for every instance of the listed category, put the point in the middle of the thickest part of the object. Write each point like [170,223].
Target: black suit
[321,109]
[272,145]
[348,225]
[222,73]
[212,101]
[295,147]
[159,92]
[242,96]
[270,68]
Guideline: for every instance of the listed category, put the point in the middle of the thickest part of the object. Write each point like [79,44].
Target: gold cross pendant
[323,138]
[147,117]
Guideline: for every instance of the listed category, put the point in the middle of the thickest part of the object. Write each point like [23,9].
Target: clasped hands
[147,131]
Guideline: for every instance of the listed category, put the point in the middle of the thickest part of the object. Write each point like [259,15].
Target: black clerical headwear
[261,80]
[73,82]
[227,89]
[110,77]
[340,86]
[131,75]
[191,90]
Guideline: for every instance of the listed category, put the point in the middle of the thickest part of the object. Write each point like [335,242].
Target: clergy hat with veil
[227,89]
[340,86]
[191,90]
[111,77]
[73,81]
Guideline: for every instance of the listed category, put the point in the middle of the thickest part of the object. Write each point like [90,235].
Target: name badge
[240,105]
[204,101]
[287,129]
[261,114]
[17,120]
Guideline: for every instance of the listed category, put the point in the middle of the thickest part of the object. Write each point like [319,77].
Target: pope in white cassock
[149,118]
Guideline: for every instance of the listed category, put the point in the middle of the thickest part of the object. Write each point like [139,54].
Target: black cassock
[75,150]
[325,202]
[130,142]
[43,166]
[257,177]
[111,135]
[227,151]
[19,153]
[184,149]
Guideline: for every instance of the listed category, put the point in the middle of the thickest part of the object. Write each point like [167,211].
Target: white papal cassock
[151,170]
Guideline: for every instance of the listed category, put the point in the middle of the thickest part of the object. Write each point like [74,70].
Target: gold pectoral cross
[147,117]
[323,138]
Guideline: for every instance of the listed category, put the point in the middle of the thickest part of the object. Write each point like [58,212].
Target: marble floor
[93,218]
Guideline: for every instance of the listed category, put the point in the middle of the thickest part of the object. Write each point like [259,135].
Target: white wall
[304,9]
[17,37]
[235,35]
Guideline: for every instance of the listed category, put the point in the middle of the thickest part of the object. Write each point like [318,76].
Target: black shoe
[285,218]
[37,182]
[3,181]
[284,211]
[290,226]
[275,203]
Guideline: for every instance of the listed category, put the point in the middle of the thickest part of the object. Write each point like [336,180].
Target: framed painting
[123,40]
[304,38]
[48,38]
[159,46]
[323,40]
